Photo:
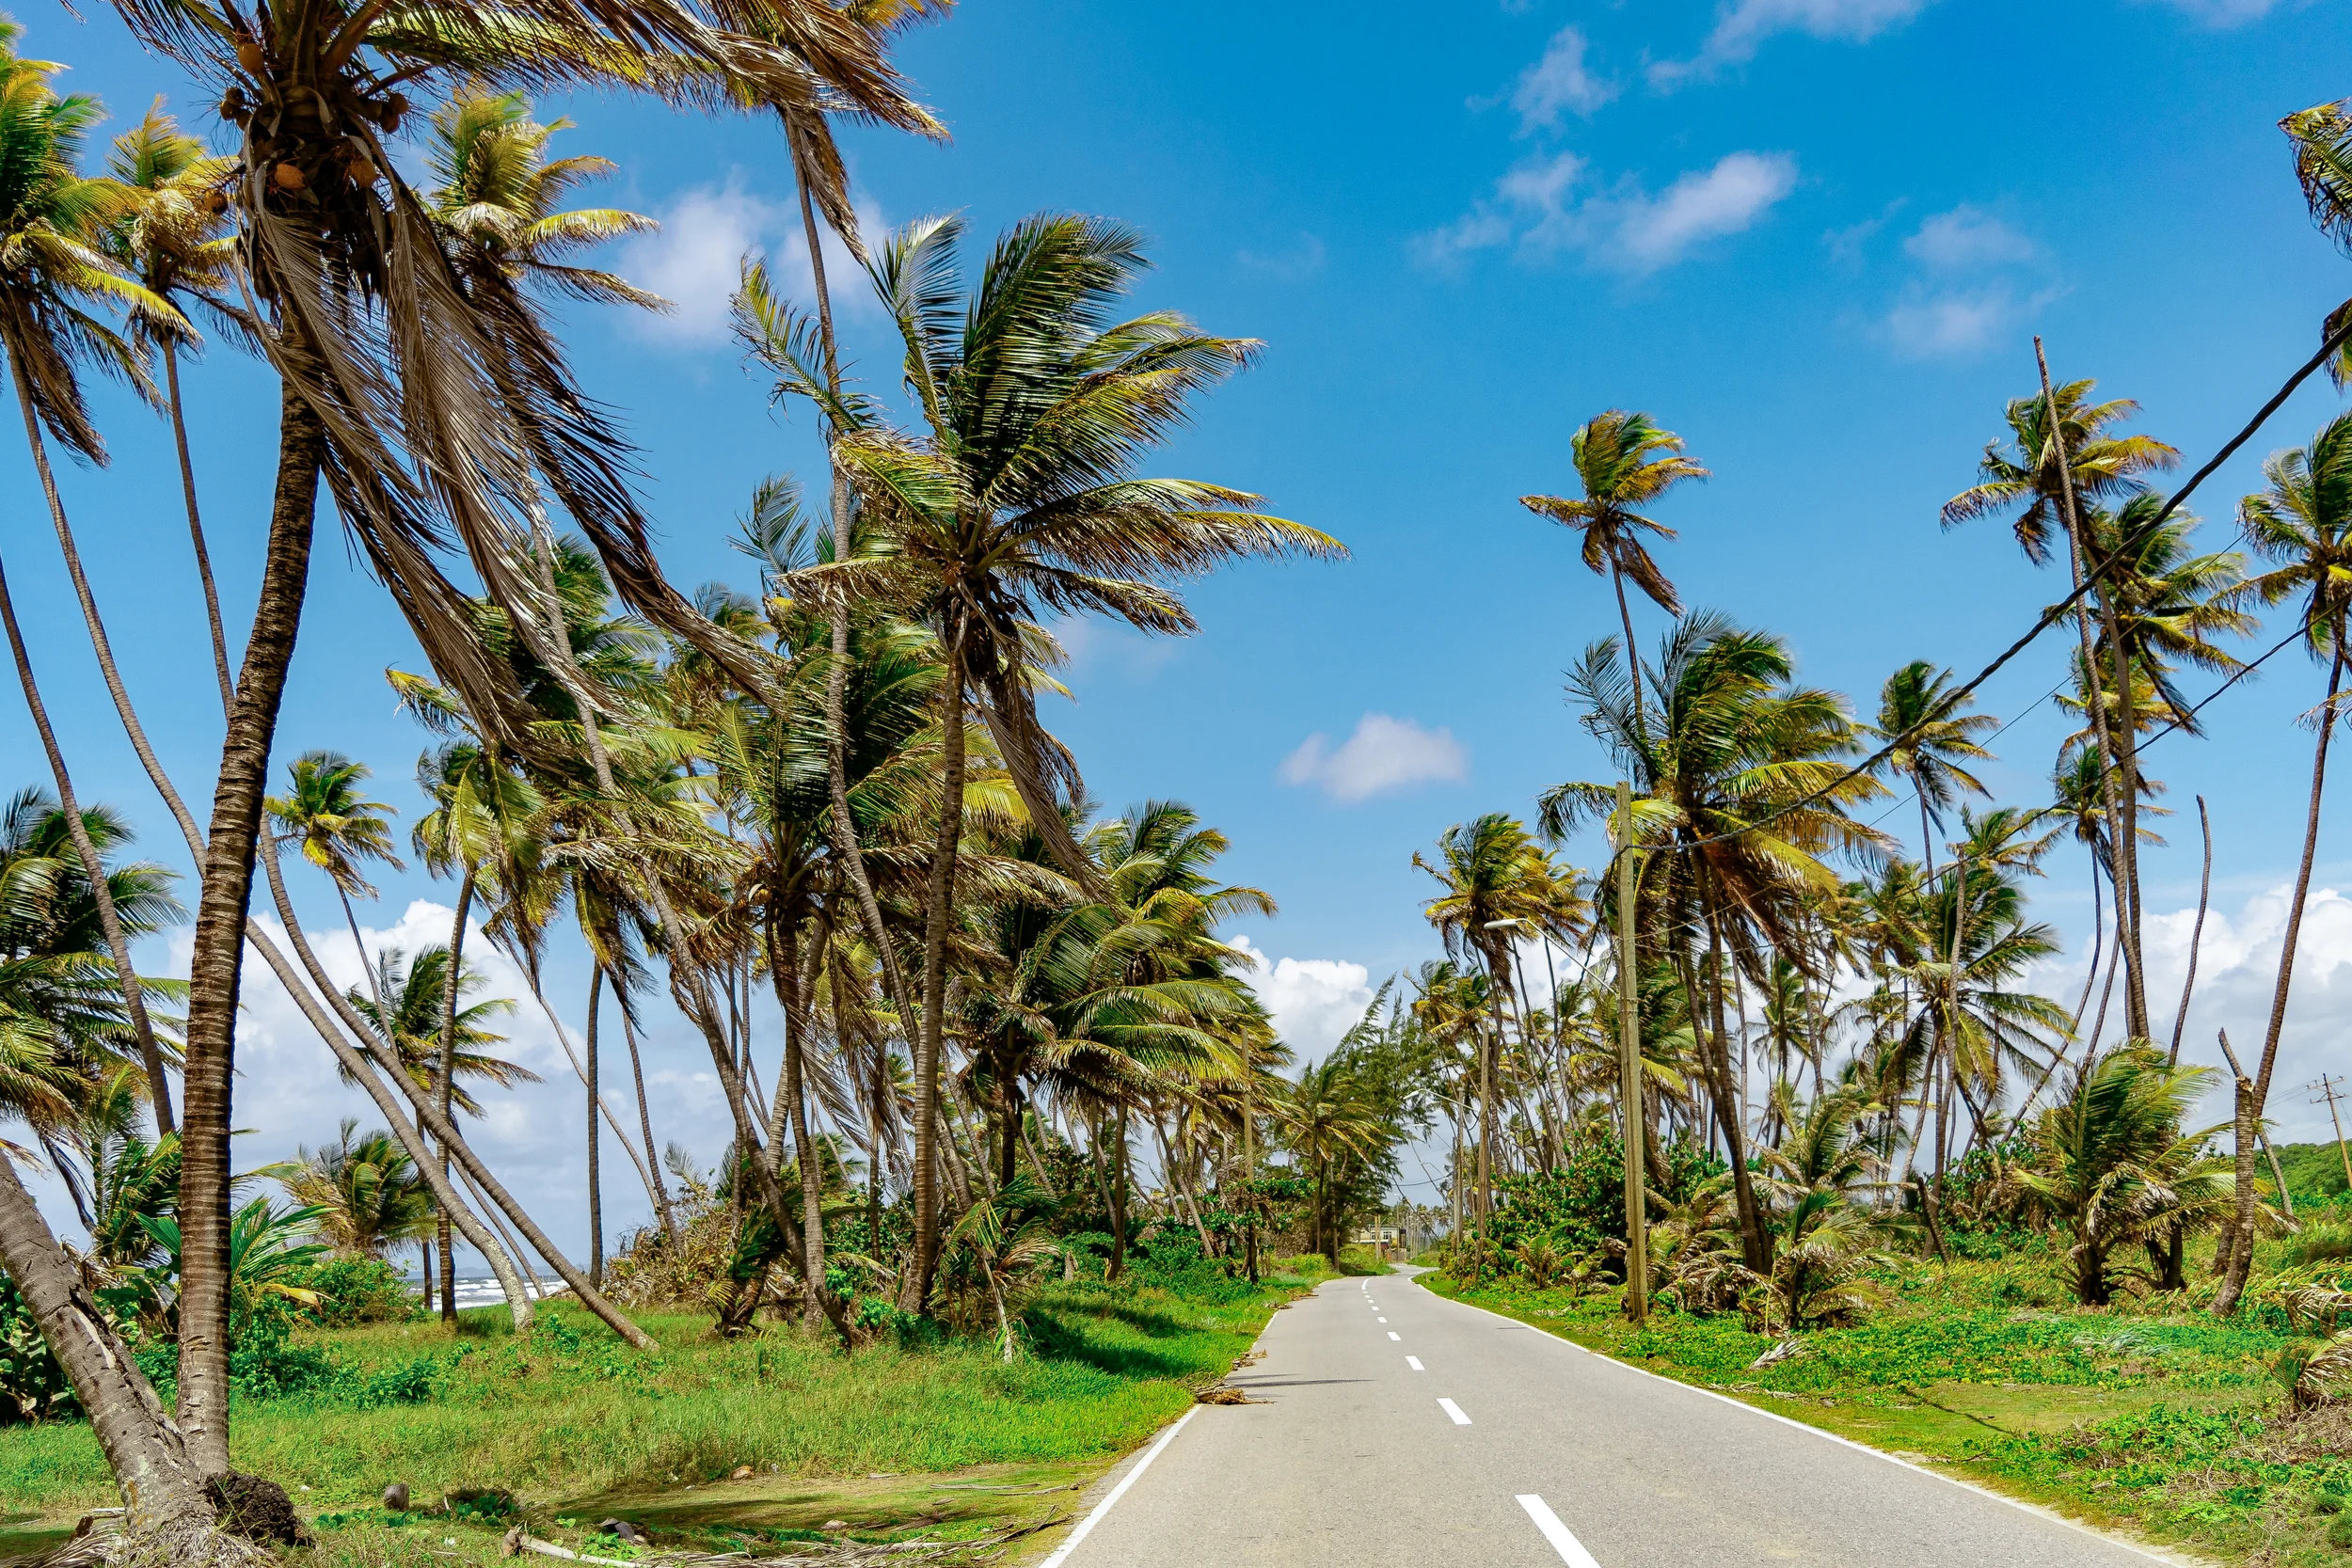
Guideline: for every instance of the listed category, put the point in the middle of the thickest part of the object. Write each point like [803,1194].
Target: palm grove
[833,787]
[1798,995]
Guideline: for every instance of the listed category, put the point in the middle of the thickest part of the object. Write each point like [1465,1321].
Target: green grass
[579,1427]
[2151,1416]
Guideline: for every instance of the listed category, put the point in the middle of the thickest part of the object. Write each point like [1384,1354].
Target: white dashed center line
[1393,1335]
[1454,1411]
[1414,1362]
[1571,1550]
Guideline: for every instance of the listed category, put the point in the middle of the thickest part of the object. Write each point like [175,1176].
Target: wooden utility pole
[2326,1087]
[1629,1071]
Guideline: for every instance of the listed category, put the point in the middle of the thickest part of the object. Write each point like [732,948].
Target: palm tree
[2112,1163]
[431,415]
[1742,790]
[1625,461]
[1500,888]
[2322,138]
[50,278]
[338,830]
[364,1191]
[2067,458]
[1329,1123]
[410,1036]
[174,240]
[1927,735]
[1019,501]
[2303,522]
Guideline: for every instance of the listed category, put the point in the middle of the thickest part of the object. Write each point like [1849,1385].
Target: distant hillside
[2312,1170]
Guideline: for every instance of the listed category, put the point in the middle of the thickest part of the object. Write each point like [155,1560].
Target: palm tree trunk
[215,962]
[2243,1258]
[842,826]
[644,1120]
[1754,1245]
[93,870]
[784,971]
[596,1175]
[450,1208]
[449,1072]
[196,525]
[1632,661]
[2196,940]
[109,919]
[161,1487]
[939,905]
[375,982]
[2123,873]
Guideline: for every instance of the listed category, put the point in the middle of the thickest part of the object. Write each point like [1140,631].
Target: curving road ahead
[1400,1428]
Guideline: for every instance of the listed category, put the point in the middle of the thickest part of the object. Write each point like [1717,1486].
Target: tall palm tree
[338,830]
[174,240]
[2321,136]
[1017,499]
[409,1033]
[2067,457]
[2303,522]
[1624,461]
[52,278]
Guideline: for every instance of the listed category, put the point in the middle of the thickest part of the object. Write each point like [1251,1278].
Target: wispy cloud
[1560,82]
[1536,210]
[2227,13]
[1974,277]
[696,261]
[1383,754]
[1301,261]
[1743,27]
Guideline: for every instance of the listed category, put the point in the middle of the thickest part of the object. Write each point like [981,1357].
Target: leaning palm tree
[52,278]
[1019,500]
[338,828]
[2322,139]
[395,389]
[1625,461]
[174,240]
[2303,522]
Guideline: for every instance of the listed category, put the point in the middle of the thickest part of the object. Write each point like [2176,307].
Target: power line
[2050,616]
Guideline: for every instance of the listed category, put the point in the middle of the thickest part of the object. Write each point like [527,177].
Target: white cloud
[1313,1001]
[1301,261]
[1384,753]
[1560,80]
[1742,26]
[696,260]
[1650,232]
[1949,324]
[2238,967]
[1846,246]
[288,1093]
[1968,237]
[1624,228]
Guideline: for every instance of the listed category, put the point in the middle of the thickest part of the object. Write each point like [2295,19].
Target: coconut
[216,201]
[251,56]
[286,176]
[363,171]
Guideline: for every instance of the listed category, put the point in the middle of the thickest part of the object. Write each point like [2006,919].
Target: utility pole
[2326,1087]
[1629,1072]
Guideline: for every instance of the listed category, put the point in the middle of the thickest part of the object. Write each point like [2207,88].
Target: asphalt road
[1400,1428]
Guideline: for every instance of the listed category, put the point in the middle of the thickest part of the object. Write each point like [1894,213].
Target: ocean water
[482,1289]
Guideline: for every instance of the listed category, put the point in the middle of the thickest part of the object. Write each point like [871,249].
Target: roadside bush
[1580,1207]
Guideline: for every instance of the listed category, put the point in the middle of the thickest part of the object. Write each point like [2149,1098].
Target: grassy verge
[2167,1425]
[718,1445]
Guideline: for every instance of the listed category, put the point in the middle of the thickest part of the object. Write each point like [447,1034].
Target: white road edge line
[1454,1411]
[1087,1524]
[1414,1362]
[2050,1515]
[1393,1335]
[1571,1550]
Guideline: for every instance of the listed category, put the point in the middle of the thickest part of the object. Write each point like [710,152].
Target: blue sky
[1814,236]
